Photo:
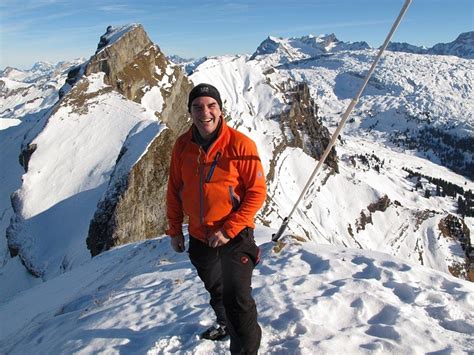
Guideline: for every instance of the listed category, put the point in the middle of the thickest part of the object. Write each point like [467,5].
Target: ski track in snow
[144,298]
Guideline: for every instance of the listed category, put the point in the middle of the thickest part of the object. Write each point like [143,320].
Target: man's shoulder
[240,138]
[181,143]
[184,138]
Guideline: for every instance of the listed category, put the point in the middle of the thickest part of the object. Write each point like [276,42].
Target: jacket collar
[216,135]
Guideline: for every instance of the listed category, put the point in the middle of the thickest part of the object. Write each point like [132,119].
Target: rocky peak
[128,58]
[268,46]
[303,128]
[133,207]
[286,50]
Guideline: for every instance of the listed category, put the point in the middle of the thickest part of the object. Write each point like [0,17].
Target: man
[216,178]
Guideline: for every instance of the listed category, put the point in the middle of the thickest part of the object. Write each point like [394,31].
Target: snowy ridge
[144,298]
[285,50]
[113,34]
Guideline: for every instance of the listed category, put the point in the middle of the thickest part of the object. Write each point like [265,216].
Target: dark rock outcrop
[303,128]
[366,215]
[26,154]
[73,76]
[454,228]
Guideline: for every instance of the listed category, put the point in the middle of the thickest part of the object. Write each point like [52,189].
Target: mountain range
[85,149]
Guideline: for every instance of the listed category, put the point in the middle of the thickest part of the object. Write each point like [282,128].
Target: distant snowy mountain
[86,172]
[406,47]
[24,92]
[188,64]
[390,153]
[462,47]
[283,50]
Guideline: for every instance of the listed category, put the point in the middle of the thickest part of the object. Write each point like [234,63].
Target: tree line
[445,188]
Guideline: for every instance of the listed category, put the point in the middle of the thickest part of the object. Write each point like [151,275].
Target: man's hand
[218,239]
[177,243]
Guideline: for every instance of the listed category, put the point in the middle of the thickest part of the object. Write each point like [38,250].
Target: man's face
[206,114]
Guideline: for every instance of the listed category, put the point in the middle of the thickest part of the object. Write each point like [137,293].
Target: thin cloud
[118,9]
[333,25]
[19,27]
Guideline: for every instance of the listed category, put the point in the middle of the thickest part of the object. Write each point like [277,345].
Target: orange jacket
[221,189]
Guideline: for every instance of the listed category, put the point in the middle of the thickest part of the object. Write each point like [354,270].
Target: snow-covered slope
[144,298]
[26,98]
[71,184]
[71,152]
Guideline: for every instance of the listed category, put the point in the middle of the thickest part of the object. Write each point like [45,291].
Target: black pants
[227,275]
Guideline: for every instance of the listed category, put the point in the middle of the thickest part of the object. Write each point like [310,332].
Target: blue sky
[54,30]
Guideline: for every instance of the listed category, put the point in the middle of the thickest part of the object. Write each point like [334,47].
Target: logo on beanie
[204,90]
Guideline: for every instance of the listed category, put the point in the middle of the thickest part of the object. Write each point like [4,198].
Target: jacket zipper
[201,186]
[213,166]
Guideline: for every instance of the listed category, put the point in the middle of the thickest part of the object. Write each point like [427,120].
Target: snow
[153,100]
[57,188]
[96,82]
[403,86]
[11,85]
[9,122]
[144,298]
[114,34]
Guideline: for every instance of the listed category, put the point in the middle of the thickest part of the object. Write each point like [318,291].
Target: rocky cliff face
[133,207]
[129,60]
[302,128]
[454,228]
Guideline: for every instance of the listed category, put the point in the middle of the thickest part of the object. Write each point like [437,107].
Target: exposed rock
[380,205]
[366,215]
[302,127]
[129,60]
[73,76]
[26,154]
[133,207]
[454,228]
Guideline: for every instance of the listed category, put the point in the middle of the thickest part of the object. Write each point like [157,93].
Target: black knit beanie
[204,90]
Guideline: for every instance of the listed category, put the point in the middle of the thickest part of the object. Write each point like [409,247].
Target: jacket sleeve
[253,178]
[174,206]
